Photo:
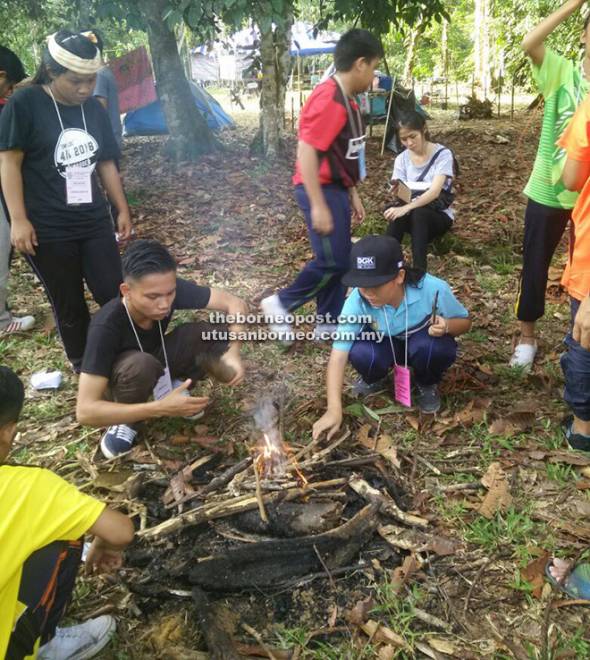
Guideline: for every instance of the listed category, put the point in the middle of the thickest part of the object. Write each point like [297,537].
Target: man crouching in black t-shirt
[128,352]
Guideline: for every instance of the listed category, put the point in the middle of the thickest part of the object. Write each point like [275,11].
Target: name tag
[355,147]
[78,185]
[164,385]
[402,385]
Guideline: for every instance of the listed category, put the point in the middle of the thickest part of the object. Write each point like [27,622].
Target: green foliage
[25,25]
[379,15]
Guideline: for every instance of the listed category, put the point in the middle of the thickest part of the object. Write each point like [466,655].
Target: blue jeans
[575,364]
[320,278]
[429,357]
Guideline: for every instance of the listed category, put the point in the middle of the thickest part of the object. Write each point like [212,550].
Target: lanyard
[137,336]
[357,129]
[59,116]
[389,333]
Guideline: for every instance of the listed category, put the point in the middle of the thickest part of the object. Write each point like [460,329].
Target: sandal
[576,585]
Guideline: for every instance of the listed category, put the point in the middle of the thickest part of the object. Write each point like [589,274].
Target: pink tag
[402,386]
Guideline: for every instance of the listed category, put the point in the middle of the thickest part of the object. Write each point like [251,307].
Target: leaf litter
[253,242]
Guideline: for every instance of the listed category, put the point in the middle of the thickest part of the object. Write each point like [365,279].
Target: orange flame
[274,456]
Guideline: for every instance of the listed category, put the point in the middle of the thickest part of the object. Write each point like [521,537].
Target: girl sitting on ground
[426,168]
[395,317]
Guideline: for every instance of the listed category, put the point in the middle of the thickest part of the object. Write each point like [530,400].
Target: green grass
[477,335]
[562,473]
[512,529]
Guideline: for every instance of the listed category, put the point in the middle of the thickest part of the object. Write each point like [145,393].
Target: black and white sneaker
[117,440]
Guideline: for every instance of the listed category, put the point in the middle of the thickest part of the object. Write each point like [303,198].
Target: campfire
[277,517]
[271,461]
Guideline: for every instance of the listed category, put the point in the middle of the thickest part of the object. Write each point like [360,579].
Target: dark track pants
[320,278]
[575,364]
[429,357]
[63,267]
[424,225]
[46,586]
[543,229]
[135,373]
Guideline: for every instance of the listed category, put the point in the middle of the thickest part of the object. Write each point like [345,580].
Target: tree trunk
[411,56]
[276,62]
[477,24]
[485,48]
[190,136]
[85,17]
[444,46]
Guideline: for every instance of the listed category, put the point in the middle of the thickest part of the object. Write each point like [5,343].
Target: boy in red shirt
[330,162]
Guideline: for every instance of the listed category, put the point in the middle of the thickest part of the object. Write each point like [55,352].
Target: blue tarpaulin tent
[304,43]
[150,119]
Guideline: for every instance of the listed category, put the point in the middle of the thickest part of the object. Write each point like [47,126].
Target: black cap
[374,260]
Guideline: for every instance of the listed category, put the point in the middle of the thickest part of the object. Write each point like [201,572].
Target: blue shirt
[392,321]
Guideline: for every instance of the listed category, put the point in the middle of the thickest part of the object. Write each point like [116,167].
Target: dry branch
[388,506]
[229,507]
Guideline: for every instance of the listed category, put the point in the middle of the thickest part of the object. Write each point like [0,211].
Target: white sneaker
[176,382]
[18,324]
[275,315]
[79,642]
[524,356]
[324,331]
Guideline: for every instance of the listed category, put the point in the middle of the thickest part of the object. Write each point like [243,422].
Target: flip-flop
[576,584]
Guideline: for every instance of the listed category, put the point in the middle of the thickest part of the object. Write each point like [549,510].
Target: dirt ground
[231,222]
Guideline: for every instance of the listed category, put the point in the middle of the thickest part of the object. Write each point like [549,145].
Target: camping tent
[236,54]
[304,43]
[150,119]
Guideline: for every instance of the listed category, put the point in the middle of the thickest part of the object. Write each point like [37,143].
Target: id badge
[355,146]
[402,385]
[164,385]
[362,164]
[78,185]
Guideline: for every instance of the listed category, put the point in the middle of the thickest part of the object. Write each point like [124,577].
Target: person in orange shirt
[575,362]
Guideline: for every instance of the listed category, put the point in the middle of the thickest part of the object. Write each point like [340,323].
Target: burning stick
[272,456]
[261,508]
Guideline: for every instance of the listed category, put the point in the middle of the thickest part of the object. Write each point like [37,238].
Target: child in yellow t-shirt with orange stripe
[42,521]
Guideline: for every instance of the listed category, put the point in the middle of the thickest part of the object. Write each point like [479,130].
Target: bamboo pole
[388,115]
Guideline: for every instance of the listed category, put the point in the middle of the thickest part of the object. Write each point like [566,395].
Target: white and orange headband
[73,62]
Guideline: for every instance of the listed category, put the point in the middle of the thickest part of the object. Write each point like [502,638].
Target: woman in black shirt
[54,139]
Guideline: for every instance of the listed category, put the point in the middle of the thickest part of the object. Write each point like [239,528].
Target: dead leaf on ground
[386,652]
[403,573]
[511,424]
[534,573]
[498,497]
[359,614]
[333,616]
[384,445]
[442,645]
[383,635]
[570,458]
[117,481]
